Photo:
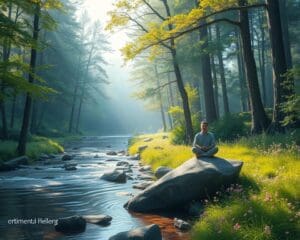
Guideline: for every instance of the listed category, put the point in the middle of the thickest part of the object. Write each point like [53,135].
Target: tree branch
[154,11]
[164,85]
[191,30]
[233,9]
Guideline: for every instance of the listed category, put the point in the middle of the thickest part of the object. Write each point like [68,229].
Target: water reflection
[53,193]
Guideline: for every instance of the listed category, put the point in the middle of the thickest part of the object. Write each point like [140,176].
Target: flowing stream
[44,192]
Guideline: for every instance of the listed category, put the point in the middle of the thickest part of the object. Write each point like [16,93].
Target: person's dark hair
[204,121]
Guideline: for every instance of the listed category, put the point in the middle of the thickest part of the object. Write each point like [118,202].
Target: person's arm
[195,145]
[212,142]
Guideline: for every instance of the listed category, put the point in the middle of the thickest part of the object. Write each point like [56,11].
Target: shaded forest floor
[263,204]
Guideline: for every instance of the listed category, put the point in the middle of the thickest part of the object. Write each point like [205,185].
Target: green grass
[35,148]
[264,204]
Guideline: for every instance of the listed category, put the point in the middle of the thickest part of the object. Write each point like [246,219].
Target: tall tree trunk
[170,100]
[260,121]
[242,83]
[13,111]
[4,120]
[79,110]
[34,117]
[210,107]
[5,56]
[35,103]
[216,87]
[162,112]
[282,89]
[182,91]
[222,73]
[83,89]
[214,76]
[27,110]
[262,57]
[285,32]
[71,121]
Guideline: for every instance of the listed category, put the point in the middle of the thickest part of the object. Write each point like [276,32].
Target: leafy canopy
[157,32]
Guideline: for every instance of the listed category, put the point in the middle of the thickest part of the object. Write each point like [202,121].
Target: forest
[233,63]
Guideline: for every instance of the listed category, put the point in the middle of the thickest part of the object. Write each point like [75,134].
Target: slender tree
[222,72]
[282,88]
[28,101]
[260,121]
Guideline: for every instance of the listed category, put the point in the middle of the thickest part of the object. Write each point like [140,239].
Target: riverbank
[36,146]
[264,204]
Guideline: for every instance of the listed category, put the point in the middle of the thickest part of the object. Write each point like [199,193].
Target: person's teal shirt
[204,139]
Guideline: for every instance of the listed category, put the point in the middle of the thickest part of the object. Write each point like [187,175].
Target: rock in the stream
[121,153]
[70,166]
[67,157]
[145,177]
[142,185]
[111,160]
[114,176]
[150,232]
[194,179]
[111,153]
[74,224]
[51,156]
[145,168]
[124,169]
[161,171]
[129,177]
[136,156]
[14,163]
[122,163]
[43,157]
[182,225]
[101,219]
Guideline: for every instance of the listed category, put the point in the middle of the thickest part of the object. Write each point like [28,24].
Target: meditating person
[204,144]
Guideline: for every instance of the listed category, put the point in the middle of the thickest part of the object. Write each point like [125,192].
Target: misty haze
[149,119]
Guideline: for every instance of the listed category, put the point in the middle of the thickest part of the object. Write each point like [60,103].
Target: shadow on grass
[249,184]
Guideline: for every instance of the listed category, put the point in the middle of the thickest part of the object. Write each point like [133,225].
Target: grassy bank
[264,204]
[35,147]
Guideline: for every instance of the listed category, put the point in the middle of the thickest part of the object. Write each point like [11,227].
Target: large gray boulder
[150,232]
[194,179]
[14,163]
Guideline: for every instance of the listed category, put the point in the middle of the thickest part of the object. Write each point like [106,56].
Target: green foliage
[291,107]
[179,130]
[178,134]
[229,127]
[35,148]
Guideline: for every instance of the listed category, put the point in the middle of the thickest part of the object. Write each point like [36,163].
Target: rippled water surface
[47,192]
